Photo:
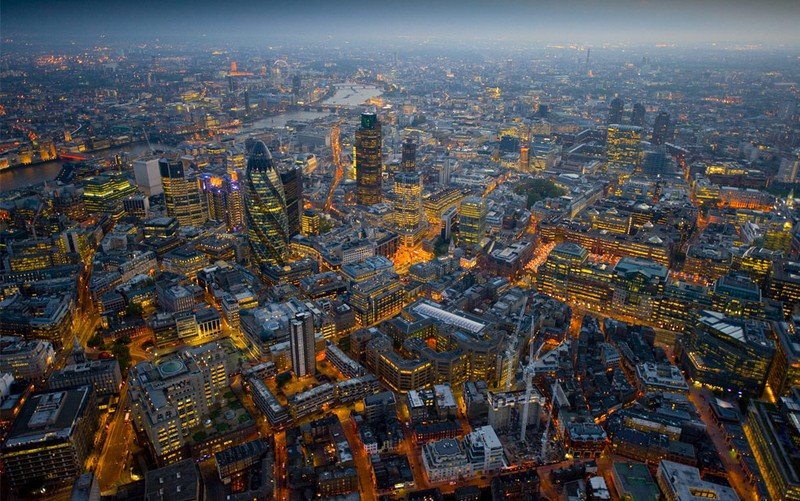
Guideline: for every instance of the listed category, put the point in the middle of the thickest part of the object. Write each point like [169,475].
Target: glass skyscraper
[472,222]
[182,196]
[368,160]
[623,147]
[265,208]
[408,206]
[292,180]
[409,156]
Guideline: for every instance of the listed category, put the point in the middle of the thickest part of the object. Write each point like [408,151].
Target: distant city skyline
[578,21]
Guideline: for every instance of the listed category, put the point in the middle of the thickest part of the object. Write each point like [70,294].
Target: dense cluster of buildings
[435,289]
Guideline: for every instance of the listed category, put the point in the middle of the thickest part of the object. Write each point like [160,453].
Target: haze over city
[580,21]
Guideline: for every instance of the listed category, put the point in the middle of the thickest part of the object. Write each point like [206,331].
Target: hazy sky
[587,21]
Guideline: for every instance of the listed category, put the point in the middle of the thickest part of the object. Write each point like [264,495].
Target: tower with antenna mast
[587,69]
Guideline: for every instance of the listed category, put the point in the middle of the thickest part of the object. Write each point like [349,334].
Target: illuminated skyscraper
[524,156]
[408,161]
[292,180]
[615,111]
[215,197]
[234,203]
[301,343]
[638,115]
[182,192]
[623,147]
[265,208]
[471,222]
[368,160]
[408,207]
[224,200]
[662,128]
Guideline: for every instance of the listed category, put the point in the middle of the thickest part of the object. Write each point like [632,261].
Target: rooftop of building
[48,416]
[176,482]
[634,480]
[687,485]
[743,331]
[252,449]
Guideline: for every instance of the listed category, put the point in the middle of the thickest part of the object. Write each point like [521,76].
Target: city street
[699,397]
[114,456]
[362,462]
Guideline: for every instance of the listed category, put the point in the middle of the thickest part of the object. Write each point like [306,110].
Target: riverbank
[345,94]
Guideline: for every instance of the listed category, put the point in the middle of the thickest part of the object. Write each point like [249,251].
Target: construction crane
[512,351]
[336,151]
[147,138]
[527,375]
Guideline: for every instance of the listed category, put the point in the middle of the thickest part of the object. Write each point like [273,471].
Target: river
[20,177]
[347,94]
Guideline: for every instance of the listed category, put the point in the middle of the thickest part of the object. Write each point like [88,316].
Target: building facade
[369,160]
[301,344]
[182,192]
[265,208]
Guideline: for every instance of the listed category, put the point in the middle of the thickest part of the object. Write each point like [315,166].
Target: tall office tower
[623,147]
[408,207]
[301,343]
[265,208]
[638,115]
[182,192]
[445,171]
[524,156]
[296,81]
[615,111]
[234,202]
[224,200]
[368,160]
[148,178]
[215,197]
[408,161]
[471,222]
[662,128]
[105,194]
[292,180]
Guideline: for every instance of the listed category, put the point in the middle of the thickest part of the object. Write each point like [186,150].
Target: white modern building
[679,482]
[148,176]
[484,450]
